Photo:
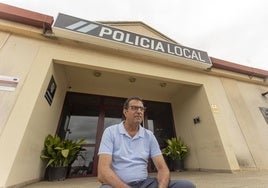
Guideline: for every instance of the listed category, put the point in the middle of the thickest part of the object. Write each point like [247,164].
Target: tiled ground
[243,179]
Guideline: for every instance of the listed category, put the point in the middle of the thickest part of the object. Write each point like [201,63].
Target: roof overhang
[86,31]
[8,12]
[233,67]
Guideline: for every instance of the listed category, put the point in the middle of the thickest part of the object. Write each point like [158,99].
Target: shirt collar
[122,130]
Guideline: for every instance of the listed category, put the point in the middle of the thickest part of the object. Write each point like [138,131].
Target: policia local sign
[100,31]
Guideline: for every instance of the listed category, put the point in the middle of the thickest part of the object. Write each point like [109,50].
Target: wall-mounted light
[8,83]
[163,84]
[196,120]
[97,73]
[132,79]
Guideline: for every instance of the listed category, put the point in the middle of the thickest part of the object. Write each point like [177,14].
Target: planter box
[178,165]
[56,173]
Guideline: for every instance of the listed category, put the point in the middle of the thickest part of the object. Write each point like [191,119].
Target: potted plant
[176,150]
[59,155]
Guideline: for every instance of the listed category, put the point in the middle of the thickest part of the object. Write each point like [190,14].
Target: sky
[231,30]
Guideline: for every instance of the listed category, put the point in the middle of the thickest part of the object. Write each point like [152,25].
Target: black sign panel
[117,35]
[264,112]
[51,89]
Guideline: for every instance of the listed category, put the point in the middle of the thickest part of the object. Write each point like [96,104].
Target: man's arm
[163,175]
[106,175]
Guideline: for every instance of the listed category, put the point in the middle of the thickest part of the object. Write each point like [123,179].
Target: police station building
[70,76]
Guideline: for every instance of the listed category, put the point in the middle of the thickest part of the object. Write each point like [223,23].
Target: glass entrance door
[86,116]
[83,127]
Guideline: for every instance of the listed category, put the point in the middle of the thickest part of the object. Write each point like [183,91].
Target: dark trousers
[153,183]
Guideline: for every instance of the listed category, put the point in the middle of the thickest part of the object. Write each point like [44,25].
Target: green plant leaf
[175,149]
[57,152]
[65,152]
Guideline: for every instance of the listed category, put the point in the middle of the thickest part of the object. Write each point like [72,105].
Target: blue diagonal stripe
[76,25]
[87,28]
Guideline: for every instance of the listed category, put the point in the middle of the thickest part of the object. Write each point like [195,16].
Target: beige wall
[30,118]
[229,137]
[251,131]
[207,150]
[17,57]
[14,62]
[44,120]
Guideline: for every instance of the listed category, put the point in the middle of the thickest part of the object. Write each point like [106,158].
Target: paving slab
[241,179]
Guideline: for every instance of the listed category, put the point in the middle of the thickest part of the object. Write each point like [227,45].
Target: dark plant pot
[56,173]
[169,163]
[178,165]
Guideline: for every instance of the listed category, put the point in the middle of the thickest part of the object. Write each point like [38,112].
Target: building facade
[70,77]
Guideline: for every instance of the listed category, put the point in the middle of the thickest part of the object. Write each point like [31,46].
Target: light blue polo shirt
[129,155]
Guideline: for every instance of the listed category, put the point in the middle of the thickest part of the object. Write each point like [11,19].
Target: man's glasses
[136,108]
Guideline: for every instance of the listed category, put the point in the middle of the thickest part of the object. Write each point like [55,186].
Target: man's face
[134,113]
